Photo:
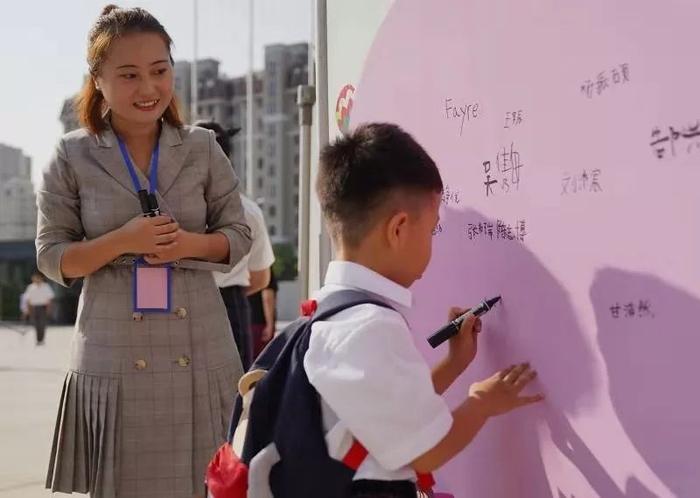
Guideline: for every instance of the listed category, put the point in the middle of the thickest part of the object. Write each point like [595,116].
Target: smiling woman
[116,79]
[150,387]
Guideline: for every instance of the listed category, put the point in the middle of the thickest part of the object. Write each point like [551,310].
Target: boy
[380,195]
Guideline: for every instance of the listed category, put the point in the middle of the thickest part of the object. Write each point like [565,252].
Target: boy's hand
[500,393]
[463,346]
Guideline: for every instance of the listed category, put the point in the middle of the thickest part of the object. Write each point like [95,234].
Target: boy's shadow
[505,460]
[572,446]
[650,345]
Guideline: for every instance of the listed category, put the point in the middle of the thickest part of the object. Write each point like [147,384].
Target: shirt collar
[349,274]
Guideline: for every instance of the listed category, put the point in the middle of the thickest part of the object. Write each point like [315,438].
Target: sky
[43,45]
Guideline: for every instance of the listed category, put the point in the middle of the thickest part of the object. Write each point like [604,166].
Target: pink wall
[601,293]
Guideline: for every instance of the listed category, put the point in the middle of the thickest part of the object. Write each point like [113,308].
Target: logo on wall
[343,107]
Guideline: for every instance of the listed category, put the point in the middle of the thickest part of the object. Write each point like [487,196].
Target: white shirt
[260,256]
[374,384]
[23,305]
[38,294]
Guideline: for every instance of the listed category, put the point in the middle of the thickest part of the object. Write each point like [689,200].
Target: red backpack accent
[357,454]
[308,308]
[227,475]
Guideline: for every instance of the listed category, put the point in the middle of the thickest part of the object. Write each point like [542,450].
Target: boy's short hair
[360,173]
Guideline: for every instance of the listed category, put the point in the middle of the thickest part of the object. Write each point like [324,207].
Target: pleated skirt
[146,401]
[95,452]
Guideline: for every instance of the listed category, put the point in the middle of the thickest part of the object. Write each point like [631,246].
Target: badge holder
[152,287]
[152,283]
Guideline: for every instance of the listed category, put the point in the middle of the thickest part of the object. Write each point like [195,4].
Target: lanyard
[149,204]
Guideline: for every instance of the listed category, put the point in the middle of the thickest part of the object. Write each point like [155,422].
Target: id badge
[151,288]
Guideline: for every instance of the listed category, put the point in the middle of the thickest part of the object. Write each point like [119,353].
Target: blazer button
[184,361]
[140,364]
[181,313]
[137,316]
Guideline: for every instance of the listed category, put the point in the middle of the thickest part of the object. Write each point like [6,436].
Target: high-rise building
[17,200]
[68,116]
[285,70]
[223,100]
[275,182]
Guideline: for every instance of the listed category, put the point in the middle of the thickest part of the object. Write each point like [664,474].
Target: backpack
[276,445]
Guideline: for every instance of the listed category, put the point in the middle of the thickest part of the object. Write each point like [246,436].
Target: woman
[148,394]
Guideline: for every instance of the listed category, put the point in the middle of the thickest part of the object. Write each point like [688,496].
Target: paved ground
[31,378]
[30,385]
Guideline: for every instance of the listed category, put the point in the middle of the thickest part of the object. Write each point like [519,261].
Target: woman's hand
[183,248]
[148,235]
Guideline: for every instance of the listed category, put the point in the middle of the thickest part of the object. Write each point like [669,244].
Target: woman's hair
[114,23]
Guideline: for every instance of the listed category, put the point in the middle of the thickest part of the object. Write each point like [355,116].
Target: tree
[285,266]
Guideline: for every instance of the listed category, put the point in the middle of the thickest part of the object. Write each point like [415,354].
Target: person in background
[252,273]
[263,306]
[38,297]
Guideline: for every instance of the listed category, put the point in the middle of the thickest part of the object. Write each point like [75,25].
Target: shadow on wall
[476,257]
[649,335]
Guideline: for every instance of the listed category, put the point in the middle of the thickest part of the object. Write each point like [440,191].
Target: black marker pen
[452,328]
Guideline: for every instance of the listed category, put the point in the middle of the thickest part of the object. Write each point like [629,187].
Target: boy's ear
[397,229]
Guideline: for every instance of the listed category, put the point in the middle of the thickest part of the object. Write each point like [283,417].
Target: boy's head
[380,194]
[37,277]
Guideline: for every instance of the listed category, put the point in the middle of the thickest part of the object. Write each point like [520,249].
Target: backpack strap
[341,300]
[358,453]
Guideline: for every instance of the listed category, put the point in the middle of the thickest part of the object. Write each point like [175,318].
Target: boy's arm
[468,419]
[445,373]
[496,395]
[462,351]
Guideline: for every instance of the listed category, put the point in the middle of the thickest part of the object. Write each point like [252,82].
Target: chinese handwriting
[437,230]
[660,142]
[450,195]
[508,165]
[501,231]
[585,182]
[605,79]
[513,119]
[461,112]
[640,309]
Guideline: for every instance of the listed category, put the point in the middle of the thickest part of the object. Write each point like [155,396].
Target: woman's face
[136,78]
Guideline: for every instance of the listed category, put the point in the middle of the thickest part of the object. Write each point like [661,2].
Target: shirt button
[140,364]
[184,361]
[181,313]
[137,316]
